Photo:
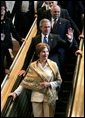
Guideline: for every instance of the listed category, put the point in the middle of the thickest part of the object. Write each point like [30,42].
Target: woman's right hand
[14,95]
[22,72]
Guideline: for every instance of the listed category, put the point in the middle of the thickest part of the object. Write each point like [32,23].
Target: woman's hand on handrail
[13,94]
[22,72]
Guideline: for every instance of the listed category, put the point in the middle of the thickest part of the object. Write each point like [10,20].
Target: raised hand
[70,33]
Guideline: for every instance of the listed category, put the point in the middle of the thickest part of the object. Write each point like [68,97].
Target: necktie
[55,21]
[45,40]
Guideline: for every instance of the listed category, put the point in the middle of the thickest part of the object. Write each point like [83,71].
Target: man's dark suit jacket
[54,41]
[61,27]
[42,13]
[7,28]
[23,21]
[17,8]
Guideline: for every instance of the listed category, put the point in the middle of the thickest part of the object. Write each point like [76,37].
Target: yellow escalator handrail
[20,50]
[78,103]
[17,65]
[77,72]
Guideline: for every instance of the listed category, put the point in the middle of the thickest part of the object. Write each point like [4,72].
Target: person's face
[55,11]
[51,3]
[3,11]
[44,54]
[46,27]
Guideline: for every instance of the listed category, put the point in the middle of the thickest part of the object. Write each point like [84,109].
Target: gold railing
[10,80]
[76,101]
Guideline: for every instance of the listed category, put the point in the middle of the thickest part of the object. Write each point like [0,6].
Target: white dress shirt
[42,35]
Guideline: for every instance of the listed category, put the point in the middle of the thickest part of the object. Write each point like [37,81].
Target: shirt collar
[42,35]
[55,18]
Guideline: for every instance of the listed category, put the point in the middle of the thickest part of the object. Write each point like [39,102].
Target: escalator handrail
[10,100]
[75,79]
[17,57]
[18,53]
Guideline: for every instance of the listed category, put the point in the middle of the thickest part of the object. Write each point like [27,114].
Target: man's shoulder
[37,36]
[64,20]
[54,35]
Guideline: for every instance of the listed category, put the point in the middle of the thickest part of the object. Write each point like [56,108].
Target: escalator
[71,76]
[67,84]
[21,107]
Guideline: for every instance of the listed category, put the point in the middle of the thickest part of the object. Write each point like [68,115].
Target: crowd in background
[16,22]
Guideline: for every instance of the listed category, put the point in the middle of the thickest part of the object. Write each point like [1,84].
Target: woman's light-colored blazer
[35,76]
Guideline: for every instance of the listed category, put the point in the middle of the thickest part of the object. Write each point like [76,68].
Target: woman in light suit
[42,78]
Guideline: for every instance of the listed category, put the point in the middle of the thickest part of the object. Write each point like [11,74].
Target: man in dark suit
[45,12]
[75,9]
[53,40]
[60,26]
[24,16]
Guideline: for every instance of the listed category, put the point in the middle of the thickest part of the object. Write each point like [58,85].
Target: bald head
[55,11]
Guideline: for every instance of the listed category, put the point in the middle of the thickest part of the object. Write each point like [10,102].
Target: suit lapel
[38,39]
[50,40]
[39,71]
[57,27]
